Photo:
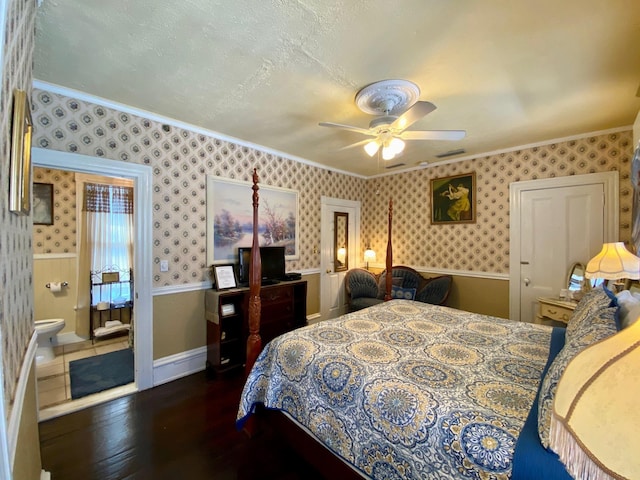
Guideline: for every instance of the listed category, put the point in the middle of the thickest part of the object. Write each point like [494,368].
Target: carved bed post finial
[389,265]
[254,341]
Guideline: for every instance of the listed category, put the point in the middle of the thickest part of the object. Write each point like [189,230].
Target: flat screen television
[272,259]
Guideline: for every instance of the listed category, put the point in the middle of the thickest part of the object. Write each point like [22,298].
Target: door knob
[328,270]
[527,282]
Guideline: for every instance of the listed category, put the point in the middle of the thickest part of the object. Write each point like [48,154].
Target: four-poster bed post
[254,341]
[389,260]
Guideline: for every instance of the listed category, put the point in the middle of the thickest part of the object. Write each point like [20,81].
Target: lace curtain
[108,218]
[105,237]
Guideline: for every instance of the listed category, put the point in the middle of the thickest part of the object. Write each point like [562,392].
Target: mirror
[340,241]
[575,280]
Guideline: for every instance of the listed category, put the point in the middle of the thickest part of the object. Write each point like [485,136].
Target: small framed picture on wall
[42,204]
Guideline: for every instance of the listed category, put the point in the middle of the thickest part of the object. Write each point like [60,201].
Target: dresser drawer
[277,312]
[555,312]
[273,295]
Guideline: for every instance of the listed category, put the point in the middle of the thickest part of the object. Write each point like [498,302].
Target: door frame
[327,206]
[142,256]
[611,185]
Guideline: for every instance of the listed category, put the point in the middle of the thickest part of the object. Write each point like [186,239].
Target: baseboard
[313,318]
[173,367]
[13,426]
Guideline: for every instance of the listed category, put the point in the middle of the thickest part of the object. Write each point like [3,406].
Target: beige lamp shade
[595,421]
[369,255]
[614,262]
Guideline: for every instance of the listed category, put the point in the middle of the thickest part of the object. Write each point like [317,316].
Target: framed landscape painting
[453,199]
[230,219]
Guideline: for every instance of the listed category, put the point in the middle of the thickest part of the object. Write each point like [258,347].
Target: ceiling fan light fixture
[372,147]
[396,145]
[388,153]
[396,107]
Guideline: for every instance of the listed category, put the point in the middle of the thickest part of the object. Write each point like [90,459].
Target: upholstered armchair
[362,289]
[436,291]
[365,289]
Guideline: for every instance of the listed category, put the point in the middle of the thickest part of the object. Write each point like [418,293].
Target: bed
[405,389]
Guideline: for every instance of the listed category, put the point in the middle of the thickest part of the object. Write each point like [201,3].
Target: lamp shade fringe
[575,459]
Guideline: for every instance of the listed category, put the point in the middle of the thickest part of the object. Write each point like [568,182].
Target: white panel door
[559,226]
[333,298]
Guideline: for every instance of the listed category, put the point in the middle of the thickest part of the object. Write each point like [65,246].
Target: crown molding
[86,97]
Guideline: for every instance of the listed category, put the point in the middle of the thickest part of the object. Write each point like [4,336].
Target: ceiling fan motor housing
[383,121]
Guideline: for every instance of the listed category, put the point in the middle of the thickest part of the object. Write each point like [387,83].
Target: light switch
[164,265]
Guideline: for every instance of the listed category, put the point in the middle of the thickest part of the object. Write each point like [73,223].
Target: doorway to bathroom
[96,331]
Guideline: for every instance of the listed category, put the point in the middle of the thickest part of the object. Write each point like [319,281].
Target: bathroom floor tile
[52,397]
[67,386]
[51,383]
[74,347]
[112,347]
[50,369]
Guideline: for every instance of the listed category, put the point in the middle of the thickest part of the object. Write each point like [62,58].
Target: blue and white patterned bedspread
[406,389]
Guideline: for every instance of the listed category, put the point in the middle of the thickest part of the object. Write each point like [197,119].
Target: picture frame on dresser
[20,155]
[230,217]
[224,277]
[453,199]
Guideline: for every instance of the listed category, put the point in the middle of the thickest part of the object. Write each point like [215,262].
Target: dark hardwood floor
[183,429]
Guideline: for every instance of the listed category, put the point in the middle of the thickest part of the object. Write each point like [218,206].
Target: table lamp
[595,411]
[594,425]
[369,256]
[614,262]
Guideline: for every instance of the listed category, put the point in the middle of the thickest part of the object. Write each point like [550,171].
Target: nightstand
[554,309]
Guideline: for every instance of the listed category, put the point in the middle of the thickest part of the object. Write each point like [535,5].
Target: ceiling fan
[395,102]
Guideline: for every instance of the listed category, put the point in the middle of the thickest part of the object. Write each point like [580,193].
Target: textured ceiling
[510,73]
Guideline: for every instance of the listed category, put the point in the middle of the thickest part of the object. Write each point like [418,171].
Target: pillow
[592,301]
[629,308]
[403,293]
[382,283]
[599,325]
[630,318]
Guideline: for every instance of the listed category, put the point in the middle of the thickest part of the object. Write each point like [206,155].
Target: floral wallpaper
[16,259]
[483,246]
[61,236]
[181,159]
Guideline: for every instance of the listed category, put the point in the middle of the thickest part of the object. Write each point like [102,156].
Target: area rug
[102,372]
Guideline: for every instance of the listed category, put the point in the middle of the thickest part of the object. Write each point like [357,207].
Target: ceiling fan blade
[415,113]
[364,131]
[433,135]
[357,144]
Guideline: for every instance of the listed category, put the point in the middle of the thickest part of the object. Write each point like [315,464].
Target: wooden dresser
[553,311]
[283,308]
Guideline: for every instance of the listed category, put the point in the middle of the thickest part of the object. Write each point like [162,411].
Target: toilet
[46,331]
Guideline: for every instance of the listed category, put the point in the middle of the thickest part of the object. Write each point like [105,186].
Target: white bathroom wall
[48,268]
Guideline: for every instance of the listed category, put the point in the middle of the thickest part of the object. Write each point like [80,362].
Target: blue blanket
[406,389]
[531,460]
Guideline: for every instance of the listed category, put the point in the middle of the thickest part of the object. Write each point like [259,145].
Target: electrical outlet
[164,265]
